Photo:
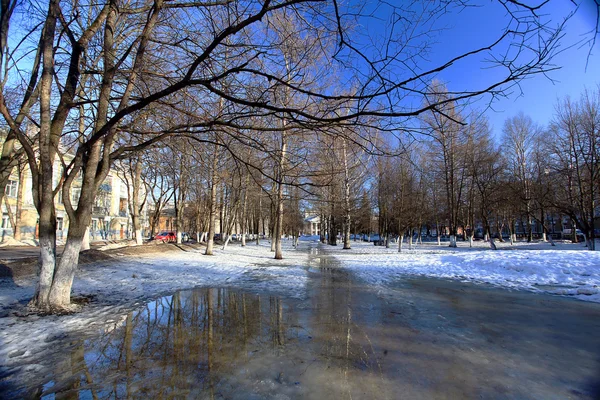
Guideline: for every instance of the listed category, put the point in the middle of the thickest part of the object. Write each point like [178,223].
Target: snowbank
[566,269]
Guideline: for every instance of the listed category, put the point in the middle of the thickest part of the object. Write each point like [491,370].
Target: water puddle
[192,344]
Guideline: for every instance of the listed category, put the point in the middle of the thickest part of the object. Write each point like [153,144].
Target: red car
[166,237]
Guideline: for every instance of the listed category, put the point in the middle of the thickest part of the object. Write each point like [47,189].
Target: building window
[5,221]
[75,193]
[60,223]
[123,207]
[11,188]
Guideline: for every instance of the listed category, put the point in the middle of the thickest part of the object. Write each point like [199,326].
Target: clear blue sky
[540,94]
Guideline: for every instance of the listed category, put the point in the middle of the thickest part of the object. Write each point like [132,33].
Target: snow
[565,269]
[9,241]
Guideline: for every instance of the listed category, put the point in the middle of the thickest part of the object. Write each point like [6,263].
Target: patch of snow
[10,241]
[566,266]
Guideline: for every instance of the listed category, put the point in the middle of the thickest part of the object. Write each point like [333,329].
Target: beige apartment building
[110,213]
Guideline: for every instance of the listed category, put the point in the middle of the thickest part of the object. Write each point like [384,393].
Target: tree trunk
[226,242]
[453,240]
[60,293]
[400,241]
[19,206]
[47,240]
[213,206]
[85,241]
[137,228]
[279,223]
[279,205]
[138,237]
[590,242]
[347,210]
[244,218]
[492,244]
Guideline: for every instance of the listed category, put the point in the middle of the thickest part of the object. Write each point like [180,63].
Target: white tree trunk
[60,294]
[138,237]
[213,206]
[400,241]
[227,239]
[85,242]
[492,244]
[178,237]
[453,241]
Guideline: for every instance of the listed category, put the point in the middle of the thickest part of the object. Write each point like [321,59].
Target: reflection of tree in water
[177,346]
[344,343]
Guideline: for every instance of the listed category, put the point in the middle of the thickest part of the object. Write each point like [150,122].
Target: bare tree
[575,157]
[109,62]
[519,139]
[130,171]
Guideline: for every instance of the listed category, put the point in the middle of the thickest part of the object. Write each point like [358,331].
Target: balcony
[96,210]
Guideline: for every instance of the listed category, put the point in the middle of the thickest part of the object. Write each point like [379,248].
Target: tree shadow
[6,273]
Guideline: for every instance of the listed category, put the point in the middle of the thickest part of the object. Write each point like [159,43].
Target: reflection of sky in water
[177,345]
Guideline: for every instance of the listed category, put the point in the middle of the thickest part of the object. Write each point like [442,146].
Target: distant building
[312,225]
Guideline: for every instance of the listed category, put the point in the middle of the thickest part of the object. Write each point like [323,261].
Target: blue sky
[540,94]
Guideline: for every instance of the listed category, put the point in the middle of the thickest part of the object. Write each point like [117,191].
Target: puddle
[424,338]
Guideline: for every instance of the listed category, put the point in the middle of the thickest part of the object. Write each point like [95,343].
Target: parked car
[567,233]
[166,237]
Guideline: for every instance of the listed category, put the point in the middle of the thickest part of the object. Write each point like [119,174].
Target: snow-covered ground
[567,269]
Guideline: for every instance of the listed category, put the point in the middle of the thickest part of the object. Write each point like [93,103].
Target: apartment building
[110,213]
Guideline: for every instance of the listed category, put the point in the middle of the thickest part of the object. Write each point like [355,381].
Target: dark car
[166,237]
